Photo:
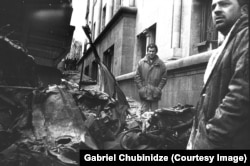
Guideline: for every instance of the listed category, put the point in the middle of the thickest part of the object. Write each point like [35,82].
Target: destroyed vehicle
[163,129]
[54,121]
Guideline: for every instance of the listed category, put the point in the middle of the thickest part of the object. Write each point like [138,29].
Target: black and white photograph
[94,81]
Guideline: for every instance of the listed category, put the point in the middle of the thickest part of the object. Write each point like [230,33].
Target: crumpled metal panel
[58,119]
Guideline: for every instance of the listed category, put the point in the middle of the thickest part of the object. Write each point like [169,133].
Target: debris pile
[49,125]
[165,128]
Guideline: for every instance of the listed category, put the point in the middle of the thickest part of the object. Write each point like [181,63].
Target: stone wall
[185,80]
[183,86]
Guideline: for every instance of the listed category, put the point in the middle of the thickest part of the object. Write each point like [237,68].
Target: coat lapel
[215,59]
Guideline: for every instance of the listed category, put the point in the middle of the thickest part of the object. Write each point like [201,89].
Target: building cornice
[120,13]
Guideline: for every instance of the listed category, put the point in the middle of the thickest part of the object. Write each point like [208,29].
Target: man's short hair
[152,45]
[243,2]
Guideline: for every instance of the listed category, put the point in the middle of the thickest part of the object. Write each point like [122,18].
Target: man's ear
[244,9]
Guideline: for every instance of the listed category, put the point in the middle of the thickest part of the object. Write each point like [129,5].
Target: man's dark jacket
[223,112]
[150,79]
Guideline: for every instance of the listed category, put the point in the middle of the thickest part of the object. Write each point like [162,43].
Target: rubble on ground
[49,125]
[41,125]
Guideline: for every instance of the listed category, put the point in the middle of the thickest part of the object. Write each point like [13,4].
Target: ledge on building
[189,61]
[125,76]
[177,64]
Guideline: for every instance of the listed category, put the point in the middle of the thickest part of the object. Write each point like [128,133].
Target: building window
[146,37]
[108,58]
[86,70]
[103,17]
[151,34]
[208,33]
[142,42]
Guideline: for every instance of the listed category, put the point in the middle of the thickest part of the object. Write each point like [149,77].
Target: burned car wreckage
[43,124]
[49,125]
[56,121]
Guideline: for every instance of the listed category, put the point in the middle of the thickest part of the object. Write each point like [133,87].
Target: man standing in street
[222,120]
[150,78]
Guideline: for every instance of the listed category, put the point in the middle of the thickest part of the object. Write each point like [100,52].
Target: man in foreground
[223,115]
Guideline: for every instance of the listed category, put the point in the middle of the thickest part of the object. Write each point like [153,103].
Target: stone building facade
[182,29]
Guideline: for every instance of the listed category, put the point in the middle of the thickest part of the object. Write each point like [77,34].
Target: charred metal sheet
[58,119]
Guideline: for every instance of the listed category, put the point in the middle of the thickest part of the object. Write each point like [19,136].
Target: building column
[117,5]
[99,17]
[176,29]
[175,50]
[131,3]
[108,12]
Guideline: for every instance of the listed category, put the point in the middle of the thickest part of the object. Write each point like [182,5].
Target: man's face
[151,52]
[225,13]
